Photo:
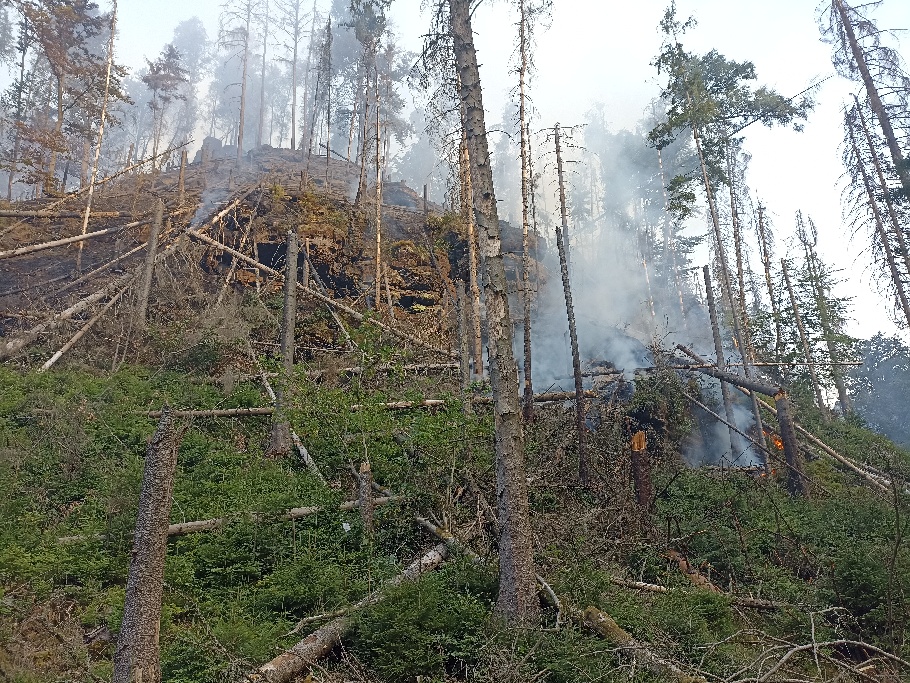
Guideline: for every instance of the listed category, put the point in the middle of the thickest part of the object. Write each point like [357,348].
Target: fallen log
[12,346]
[218,412]
[551,397]
[322,641]
[32,248]
[83,330]
[400,405]
[203,525]
[13,213]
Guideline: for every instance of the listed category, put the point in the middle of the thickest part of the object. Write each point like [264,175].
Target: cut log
[137,654]
[32,248]
[321,642]
[12,213]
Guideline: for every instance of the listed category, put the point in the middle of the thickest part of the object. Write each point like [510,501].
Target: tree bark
[562,244]
[280,441]
[517,601]
[145,285]
[244,61]
[137,654]
[265,42]
[473,256]
[878,108]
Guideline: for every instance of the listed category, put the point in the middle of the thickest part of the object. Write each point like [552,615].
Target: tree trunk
[562,244]
[804,340]
[137,655]
[473,256]
[528,409]
[280,440]
[245,61]
[181,180]
[735,445]
[104,103]
[796,474]
[517,601]
[378,207]
[365,499]
[265,42]
[328,101]
[880,229]
[145,286]
[878,108]
[765,249]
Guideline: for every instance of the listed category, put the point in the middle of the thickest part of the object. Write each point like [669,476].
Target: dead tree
[764,242]
[365,498]
[517,601]
[104,103]
[181,180]
[378,207]
[803,338]
[562,245]
[875,100]
[467,202]
[280,440]
[525,210]
[880,230]
[137,654]
[721,360]
[145,285]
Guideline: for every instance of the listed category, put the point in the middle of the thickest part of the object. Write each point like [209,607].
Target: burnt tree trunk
[137,654]
[517,601]
[562,244]
[280,440]
[764,237]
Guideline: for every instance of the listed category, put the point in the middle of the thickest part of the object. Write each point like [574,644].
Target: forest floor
[720,575]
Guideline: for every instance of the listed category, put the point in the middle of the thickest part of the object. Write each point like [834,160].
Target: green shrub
[425,628]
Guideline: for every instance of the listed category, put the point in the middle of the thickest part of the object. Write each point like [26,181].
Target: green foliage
[428,627]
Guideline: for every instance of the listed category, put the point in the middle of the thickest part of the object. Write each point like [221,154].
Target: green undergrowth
[71,458]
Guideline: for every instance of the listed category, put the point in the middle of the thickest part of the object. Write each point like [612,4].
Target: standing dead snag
[796,474]
[517,601]
[721,361]
[145,286]
[280,441]
[137,655]
[641,469]
[562,245]
[804,340]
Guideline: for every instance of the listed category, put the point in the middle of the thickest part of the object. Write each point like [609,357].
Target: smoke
[207,202]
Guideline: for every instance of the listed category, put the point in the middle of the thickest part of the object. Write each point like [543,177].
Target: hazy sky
[600,51]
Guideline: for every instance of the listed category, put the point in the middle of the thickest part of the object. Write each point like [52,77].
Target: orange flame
[775,439]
